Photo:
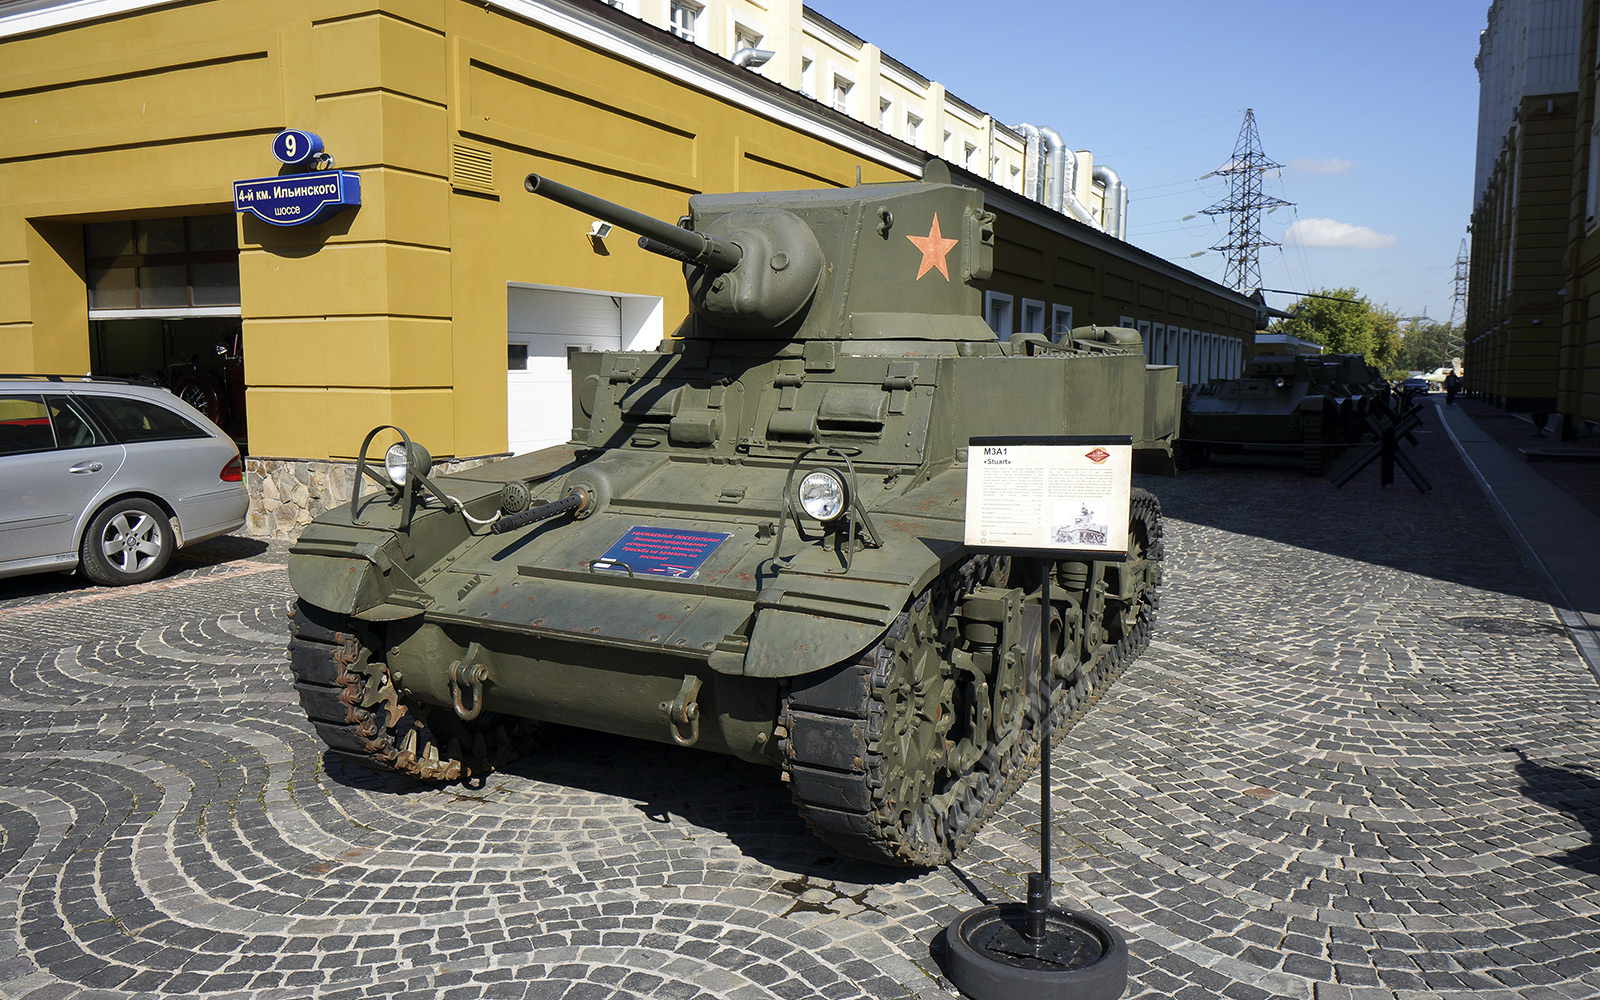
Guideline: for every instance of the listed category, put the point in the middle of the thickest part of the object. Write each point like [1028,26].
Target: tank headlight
[399,463]
[1281,382]
[823,495]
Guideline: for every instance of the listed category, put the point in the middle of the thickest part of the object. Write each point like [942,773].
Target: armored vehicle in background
[1287,403]
[753,542]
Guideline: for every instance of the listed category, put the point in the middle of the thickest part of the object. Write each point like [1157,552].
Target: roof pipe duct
[1054,167]
[1032,163]
[1116,201]
[1050,173]
[1065,179]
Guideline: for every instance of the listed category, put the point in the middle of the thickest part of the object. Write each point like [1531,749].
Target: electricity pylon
[1243,207]
[1453,344]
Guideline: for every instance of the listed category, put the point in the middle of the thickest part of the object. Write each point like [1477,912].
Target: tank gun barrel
[656,236]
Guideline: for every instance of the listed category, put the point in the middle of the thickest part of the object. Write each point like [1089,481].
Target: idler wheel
[989,955]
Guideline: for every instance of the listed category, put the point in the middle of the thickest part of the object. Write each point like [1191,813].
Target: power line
[1243,207]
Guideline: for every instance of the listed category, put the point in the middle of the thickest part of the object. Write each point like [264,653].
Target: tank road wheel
[889,758]
[886,756]
[353,704]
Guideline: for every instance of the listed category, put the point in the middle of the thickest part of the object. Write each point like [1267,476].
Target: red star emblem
[1097,456]
[934,247]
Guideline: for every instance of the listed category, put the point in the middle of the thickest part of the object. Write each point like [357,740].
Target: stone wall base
[286,494]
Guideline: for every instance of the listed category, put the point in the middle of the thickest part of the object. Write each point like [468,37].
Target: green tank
[1282,403]
[753,542]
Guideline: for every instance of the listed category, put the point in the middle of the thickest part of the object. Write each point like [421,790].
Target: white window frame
[969,154]
[1032,319]
[913,128]
[886,115]
[948,148]
[808,75]
[1149,342]
[845,97]
[746,37]
[997,313]
[688,32]
[1060,322]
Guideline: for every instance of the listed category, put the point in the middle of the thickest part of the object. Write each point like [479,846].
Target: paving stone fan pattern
[1358,761]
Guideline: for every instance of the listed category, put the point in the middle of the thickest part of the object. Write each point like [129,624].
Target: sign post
[1053,498]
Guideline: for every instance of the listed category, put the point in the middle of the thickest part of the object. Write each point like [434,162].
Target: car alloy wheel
[130,541]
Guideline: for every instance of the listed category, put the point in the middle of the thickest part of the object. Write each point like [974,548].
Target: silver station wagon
[109,477]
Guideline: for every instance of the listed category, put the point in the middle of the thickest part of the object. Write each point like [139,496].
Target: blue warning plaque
[674,552]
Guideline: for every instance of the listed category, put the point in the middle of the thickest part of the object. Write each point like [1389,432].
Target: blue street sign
[294,146]
[298,199]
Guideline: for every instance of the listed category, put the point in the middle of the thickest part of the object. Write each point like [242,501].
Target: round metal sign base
[1078,957]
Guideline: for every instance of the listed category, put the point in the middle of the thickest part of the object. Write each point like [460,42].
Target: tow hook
[471,677]
[684,711]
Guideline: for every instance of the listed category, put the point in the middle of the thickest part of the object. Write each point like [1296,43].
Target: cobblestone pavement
[1358,760]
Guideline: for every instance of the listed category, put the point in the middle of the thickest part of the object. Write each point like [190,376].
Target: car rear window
[133,420]
[24,425]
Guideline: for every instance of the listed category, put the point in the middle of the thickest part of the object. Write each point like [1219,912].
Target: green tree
[1423,348]
[1344,321]
[1340,319]
[1387,341]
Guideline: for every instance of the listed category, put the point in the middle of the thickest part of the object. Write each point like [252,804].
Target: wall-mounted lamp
[598,231]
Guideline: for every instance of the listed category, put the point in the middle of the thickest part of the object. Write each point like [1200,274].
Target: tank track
[832,728]
[354,707]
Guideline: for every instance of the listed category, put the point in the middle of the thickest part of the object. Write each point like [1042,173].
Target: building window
[948,149]
[686,19]
[1060,322]
[1149,342]
[842,87]
[970,158]
[746,38]
[162,264]
[997,312]
[1592,197]
[913,129]
[808,77]
[1014,183]
[885,114]
[1032,316]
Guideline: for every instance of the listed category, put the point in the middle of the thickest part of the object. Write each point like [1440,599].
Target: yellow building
[446,302]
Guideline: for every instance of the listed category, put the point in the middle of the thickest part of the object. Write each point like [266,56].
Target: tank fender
[805,623]
[353,571]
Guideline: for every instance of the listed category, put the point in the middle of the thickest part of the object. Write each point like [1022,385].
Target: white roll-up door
[543,326]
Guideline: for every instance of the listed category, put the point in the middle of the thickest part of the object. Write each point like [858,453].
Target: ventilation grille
[472,169]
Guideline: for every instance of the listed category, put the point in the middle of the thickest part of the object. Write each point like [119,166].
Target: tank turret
[823,265]
[753,543]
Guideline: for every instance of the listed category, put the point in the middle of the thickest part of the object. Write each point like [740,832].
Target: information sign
[298,199]
[1055,496]
[676,552]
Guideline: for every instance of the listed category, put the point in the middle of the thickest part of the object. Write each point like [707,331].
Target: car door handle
[85,467]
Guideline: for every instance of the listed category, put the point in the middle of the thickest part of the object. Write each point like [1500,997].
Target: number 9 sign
[295,146]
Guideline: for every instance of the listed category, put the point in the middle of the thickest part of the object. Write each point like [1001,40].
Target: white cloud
[1327,167]
[1335,234]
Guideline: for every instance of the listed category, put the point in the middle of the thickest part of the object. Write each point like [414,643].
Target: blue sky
[1371,108]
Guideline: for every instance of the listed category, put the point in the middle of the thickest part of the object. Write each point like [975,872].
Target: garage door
[544,327]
